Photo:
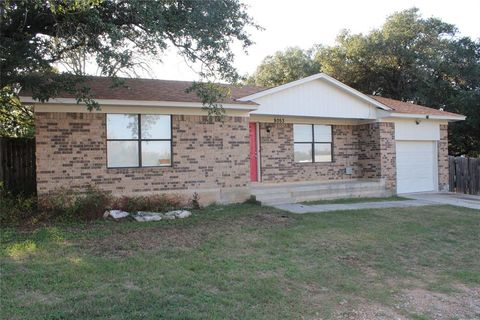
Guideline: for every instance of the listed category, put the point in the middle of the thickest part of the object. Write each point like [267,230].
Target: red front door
[253,152]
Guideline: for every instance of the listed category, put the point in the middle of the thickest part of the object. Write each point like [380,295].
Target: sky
[304,23]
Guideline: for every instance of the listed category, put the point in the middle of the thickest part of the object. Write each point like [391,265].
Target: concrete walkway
[304,208]
[454,199]
[418,199]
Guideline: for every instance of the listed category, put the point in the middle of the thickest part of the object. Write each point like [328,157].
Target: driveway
[455,199]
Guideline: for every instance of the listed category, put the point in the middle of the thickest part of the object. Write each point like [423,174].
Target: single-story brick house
[308,139]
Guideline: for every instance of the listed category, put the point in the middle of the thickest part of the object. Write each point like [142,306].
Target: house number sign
[278,120]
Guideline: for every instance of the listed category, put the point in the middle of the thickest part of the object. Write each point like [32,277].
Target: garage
[416,166]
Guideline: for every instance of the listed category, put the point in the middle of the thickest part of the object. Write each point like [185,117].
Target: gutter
[141,103]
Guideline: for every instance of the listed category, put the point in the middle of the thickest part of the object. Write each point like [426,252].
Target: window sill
[137,169]
[314,163]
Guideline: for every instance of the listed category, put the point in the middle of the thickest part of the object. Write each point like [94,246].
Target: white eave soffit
[314,77]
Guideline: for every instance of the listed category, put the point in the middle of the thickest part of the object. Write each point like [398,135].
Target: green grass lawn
[356,200]
[249,262]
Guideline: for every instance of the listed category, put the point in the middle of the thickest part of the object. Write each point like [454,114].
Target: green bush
[16,209]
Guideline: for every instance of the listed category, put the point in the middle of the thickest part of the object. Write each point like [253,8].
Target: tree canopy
[36,34]
[284,66]
[408,58]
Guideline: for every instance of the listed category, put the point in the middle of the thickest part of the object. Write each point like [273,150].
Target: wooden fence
[17,165]
[464,174]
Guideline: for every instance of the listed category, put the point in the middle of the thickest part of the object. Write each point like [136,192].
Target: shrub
[252,200]
[15,209]
[157,203]
[89,204]
[67,204]
[195,202]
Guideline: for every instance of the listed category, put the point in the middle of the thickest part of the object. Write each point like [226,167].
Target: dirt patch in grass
[125,242]
[28,298]
[464,304]
[414,303]
[360,309]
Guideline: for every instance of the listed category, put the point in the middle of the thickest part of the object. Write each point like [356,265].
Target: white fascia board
[317,76]
[426,116]
[142,103]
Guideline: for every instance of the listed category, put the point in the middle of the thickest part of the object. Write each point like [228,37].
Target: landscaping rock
[144,216]
[116,214]
[179,214]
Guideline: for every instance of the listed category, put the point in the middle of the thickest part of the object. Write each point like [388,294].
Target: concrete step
[365,194]
[282,193]
[322,186]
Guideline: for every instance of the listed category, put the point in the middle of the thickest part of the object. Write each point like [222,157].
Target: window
[312,143]
[135,140]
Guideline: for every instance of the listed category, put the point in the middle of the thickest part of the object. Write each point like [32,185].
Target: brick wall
[208,157]
[443,158]
[369,149]
[388,157]
[277,157]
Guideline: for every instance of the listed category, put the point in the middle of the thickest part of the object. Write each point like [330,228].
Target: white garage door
[416,166]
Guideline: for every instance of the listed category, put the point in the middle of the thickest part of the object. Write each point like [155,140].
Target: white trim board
[138,103]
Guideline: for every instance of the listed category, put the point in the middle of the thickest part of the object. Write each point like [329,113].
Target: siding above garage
[412,129]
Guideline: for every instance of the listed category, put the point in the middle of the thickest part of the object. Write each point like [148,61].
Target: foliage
[37,34]
[415,59]
[252,200]
[16,120]
[68,204]
[212,96]
[195,202]
[156,203]
[282,67]
[16,209]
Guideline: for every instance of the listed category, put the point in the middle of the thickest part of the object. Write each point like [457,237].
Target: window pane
[155,126]
[323,133]
[156,153]
[122,153]
[302,152]
[323,152]
[302,133]
[122,126]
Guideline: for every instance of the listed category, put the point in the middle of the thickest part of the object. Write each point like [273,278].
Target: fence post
[464,174]
[17,165]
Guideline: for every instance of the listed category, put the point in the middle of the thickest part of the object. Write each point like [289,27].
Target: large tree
[415,59]
[37,34]
[284,66]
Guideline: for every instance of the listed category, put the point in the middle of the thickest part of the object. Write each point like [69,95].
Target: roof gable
[318,76]
[315,98]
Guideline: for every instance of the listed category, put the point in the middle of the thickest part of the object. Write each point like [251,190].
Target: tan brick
[369,149]
[71,152]
[443,159]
